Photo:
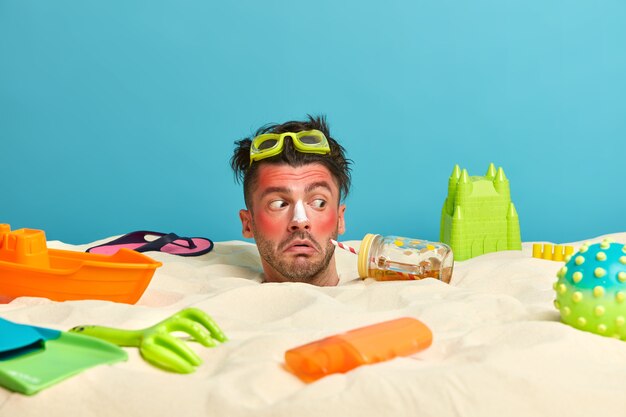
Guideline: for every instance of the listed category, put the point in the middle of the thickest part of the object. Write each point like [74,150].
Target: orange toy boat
[29,268]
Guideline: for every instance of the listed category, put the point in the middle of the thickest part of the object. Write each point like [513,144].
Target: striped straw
[344,247]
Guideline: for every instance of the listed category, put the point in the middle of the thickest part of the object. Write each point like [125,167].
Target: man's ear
[341,226]
[246,223]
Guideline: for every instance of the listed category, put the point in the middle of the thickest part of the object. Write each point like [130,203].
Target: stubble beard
[301,268]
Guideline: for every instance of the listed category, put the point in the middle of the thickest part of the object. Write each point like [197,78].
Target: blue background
[121,115]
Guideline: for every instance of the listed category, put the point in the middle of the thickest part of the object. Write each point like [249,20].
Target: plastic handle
[365,345]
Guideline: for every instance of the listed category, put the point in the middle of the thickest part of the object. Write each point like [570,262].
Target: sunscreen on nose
[299,214]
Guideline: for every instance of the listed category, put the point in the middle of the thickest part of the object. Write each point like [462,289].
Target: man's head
[293,200]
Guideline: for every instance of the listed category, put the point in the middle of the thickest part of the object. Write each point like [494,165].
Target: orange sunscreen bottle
[365,345]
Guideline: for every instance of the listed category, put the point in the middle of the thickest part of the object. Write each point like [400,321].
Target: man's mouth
[301,247]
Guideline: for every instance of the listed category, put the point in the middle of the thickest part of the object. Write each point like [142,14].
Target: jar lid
[364,250]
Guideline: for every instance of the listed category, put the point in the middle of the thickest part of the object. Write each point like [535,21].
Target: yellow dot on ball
[598,291]
[601,328]
[562,272]
[583,249]
[619,321]
[601,256]
[557,305]
[622,260]
[577,276]
[566,311]
[562,289]
[579,260]
[606,243]
[624,248]
[568,257]
[577,296]
[620,297]
[621,276]
[554,285]
[598,311]
[581,321]
[599,272]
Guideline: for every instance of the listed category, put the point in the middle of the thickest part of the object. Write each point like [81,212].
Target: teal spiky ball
[591,290]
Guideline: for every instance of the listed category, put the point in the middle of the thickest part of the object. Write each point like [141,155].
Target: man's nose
[299,218]
[295,226]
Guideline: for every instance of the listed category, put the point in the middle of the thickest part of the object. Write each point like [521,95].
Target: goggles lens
[311,139]
[266,144]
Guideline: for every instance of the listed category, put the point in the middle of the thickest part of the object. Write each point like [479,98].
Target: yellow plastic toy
[545,251]
[29,268]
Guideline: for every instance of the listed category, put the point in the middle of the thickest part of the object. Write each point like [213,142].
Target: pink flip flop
[168,243]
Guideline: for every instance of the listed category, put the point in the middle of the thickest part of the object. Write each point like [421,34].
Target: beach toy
[387,258]
[157,346]
[478,216]
[29,268]
[591,289]
[366,345]
[545,251]
[33,358]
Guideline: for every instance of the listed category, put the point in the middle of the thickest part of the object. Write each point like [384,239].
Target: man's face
[293,215]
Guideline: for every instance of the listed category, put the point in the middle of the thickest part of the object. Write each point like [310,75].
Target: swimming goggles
[270,144]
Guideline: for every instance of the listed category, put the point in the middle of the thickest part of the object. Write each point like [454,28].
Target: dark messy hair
[335,161]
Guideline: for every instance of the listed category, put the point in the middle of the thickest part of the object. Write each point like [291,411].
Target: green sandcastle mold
[478,216]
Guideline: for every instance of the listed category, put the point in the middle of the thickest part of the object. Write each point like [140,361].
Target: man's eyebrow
[270,190]
[318,184]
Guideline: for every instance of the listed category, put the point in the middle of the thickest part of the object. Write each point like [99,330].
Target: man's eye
[277,204]
[319,203]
